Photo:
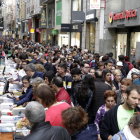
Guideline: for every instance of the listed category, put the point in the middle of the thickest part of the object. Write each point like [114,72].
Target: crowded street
[69,70]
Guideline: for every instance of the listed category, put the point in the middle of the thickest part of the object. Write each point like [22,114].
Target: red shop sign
[124,15]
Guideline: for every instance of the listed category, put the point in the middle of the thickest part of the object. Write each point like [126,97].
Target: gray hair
[36,80]
[43,56]
[35,112]
[31,67]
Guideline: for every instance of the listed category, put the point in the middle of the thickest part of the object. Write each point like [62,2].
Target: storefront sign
[124,15]
[43,18]
[32,30]
[58,12]
[78,16]
[94,4]
[75,27]
[54,32]
[91,16]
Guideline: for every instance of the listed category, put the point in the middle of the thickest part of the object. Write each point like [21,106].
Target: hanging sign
[94,4]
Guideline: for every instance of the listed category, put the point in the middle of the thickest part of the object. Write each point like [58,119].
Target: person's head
[108,64]
[110,98]
[69,59]
[126,58]
[134,76]
[97,59]
[92,72]
[48,76]
[35,55]
[132,98]
[76,74]
[117,75]
[26,81]
[111,54]
[16,51]
[58,53]
[50,53]
[45,95]
[23,56]
[90,57]
[100,65]
[35,113]
[125,83]
[121,57]
[107,56]
[85,67]
[74,53]
[24,64]
[40,68]
[30,69]
[85,57]
[42,58]
[134,124]
[57,83]
[119,65]
[77,61]
[62,68]
[107,75]
[98,74]
[113,68]
[74,119]
[72,66]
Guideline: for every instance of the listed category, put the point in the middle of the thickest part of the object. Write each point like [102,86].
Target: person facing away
[42,130]
[118,116]
[131,130]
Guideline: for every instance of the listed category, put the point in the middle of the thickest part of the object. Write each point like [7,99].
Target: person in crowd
[39,67]
[27,96]
[121,95]
[84,68]
[117,78]
[31,71]
[92,72]
[47,98]
[48,76]
[134,76]
[107,56]
[95,63]
[36,59]
[136,69]
[69,61]
[108,64]
[75,121]
[119,66]
[35,114]
[48,66]
[125,66]
[74,55]
[110,58]
[90,58]
[133,54]
[110,101]
[126,58]
[100,65]
[85,96]
[61,93]
[118,116]
[72,66]
[99,92]
[131,130]
[107,78]
[67,79]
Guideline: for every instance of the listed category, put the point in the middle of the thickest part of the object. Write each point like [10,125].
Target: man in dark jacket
[100,88]
[31,71]
[48,66]
[42,130]
[118,116]
[76,83]
[36,59]
[125,65]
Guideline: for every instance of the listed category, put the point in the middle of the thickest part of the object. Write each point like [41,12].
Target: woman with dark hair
[46,97]
[75,121]
[72,66]
[107,78]
[110,100]
[85,95]
[27,96]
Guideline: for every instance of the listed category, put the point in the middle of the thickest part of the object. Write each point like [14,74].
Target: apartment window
[76,5]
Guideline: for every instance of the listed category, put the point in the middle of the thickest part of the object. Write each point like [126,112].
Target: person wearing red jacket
[127,61]
[61,93]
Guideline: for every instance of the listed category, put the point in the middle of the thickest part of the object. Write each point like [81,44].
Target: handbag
[120,136]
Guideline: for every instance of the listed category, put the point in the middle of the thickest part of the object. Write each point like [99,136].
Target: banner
[58,12]
[94,4]
[43,18]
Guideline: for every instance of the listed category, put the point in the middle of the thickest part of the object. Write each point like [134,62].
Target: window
[76,5]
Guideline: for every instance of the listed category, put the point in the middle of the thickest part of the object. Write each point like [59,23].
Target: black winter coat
[44,131]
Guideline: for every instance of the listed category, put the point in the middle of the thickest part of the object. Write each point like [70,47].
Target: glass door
[121,45]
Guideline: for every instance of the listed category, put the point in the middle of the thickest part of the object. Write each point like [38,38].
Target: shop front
[122,28]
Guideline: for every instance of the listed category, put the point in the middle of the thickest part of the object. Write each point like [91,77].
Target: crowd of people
[84,95]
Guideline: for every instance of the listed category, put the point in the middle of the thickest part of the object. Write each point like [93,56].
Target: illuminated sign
[124,15]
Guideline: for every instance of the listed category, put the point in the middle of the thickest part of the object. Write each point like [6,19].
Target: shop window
[76,5]
[75,39]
